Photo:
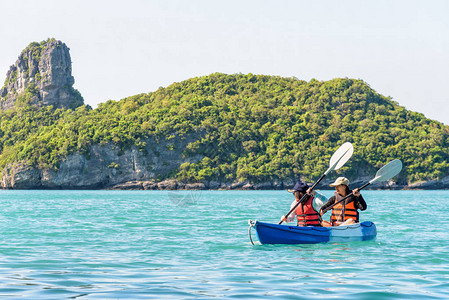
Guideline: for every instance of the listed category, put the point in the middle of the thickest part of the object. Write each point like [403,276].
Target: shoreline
[174,185]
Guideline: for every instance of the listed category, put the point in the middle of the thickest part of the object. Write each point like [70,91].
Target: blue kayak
[284,234]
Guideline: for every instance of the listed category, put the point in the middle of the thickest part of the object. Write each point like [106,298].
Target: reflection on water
[184,198]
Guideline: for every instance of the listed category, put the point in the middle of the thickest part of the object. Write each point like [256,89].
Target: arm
[361,204]
[292,216]
[329,203]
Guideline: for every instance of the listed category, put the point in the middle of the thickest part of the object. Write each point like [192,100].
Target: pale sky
[123,48]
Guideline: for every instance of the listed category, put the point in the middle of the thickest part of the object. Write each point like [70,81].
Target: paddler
[307,213]
[344,213]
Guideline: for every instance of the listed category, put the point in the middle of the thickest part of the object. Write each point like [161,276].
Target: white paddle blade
[340,157]
[388,171]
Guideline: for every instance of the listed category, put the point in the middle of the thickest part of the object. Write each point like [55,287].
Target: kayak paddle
[385,173]
[340,157]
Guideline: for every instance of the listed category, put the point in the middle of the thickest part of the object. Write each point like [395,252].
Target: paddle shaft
[304,197]
[346,197]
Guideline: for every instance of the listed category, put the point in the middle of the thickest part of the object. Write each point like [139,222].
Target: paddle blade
[340,157]
[388,171]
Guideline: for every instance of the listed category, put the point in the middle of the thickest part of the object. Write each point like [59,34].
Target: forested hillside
[251,128]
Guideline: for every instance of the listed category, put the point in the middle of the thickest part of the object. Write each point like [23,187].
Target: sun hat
[299,186]
[340,180]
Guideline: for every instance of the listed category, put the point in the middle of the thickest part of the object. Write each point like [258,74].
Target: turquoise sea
[195,245]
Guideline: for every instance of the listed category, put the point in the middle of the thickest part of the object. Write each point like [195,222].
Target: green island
[246,127]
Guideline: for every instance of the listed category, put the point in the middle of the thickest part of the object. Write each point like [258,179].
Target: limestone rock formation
[41,76]
[104,167]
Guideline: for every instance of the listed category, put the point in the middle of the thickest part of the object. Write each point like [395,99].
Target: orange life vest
[344,212]
[306,214]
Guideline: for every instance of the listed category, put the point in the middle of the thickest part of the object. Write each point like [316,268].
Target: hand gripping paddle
[385,173]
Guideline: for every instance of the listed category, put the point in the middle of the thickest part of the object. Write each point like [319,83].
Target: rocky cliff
[107,167]
[104,166]
[42,75]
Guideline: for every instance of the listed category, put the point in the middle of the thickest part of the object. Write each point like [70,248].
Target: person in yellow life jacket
[306,213]
[346,212]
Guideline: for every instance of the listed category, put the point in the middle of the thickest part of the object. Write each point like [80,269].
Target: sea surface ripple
[195,245]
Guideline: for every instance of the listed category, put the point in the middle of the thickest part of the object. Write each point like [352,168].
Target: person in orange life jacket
[307,213]
[344,213]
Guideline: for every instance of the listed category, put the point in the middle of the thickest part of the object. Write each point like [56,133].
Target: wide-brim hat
[339,181]
[299,186]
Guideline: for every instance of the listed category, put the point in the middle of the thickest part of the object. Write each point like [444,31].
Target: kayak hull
[268,233]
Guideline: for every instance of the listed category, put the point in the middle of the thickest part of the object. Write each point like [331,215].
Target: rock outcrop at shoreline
[172,184]
[107,167]
[103,167]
